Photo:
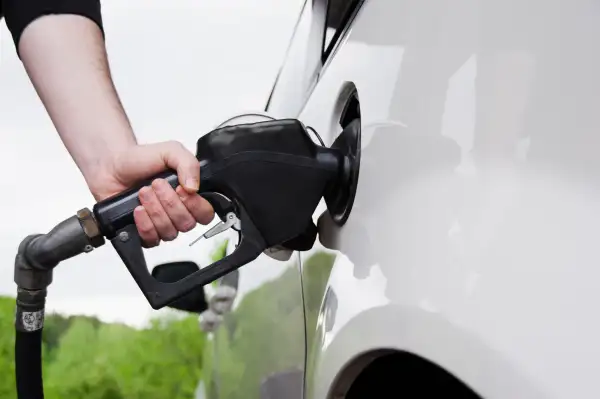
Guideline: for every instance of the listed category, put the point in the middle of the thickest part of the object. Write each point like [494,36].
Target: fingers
[164,212]
[200,208]
[161,221]
[173,206]
[145,227]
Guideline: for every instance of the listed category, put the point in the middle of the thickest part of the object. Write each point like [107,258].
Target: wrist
[100,172]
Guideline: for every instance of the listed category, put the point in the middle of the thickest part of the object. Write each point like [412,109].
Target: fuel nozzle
[264,180]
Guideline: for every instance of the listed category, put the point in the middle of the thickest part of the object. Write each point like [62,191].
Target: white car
[470,264]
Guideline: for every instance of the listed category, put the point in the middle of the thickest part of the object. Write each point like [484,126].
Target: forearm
[65,58]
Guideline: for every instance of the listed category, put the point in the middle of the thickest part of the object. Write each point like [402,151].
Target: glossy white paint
[473,239]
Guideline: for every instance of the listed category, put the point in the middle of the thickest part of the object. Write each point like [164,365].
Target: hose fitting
[69,238]
[39,254]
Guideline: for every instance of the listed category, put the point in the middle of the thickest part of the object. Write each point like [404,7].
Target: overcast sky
[181,67]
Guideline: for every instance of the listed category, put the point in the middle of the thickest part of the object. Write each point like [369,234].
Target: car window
[338,17]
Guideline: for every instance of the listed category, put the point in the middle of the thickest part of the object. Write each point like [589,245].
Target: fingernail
[192,184]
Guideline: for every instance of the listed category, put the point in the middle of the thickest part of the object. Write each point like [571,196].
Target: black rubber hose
[28,363]
[29,323]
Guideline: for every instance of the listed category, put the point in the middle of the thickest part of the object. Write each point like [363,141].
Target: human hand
[164,212]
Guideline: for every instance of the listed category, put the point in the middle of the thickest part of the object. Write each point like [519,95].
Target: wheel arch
[376,368]
[404,337]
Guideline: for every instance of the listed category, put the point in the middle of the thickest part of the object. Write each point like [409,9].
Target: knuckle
[175,145]
[195,163]
[191,206]
[170,201]
[190,164]
[158,184]
[155,212]
[146,229]
[144,193]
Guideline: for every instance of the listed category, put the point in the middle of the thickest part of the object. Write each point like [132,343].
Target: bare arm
[65,58]
[61,45]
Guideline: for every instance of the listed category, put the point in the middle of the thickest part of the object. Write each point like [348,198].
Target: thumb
[149,159]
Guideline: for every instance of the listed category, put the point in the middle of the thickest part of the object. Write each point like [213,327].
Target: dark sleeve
[20,13]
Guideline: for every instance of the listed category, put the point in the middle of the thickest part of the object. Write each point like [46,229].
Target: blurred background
[181,67]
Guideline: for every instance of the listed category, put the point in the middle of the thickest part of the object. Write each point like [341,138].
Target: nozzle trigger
[231,221]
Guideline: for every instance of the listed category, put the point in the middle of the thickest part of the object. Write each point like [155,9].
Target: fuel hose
[28,344]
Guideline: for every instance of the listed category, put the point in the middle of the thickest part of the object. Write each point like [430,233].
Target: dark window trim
[348,16]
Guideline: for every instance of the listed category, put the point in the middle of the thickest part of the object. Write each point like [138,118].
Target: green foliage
[55,327]
[86,358]
[77,371]
[7,342]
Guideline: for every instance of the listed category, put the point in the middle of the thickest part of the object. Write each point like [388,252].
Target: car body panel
[472,241]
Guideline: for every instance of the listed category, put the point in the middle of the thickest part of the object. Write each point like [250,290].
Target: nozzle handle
[114,217]
[116,212]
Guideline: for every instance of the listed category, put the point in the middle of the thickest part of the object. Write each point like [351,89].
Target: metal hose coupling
[39,254]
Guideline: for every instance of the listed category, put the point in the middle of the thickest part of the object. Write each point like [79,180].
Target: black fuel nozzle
[263,179]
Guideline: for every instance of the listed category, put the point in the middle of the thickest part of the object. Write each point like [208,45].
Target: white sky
[181,67]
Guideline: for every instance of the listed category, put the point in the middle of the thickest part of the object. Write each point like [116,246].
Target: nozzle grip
[116,212]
